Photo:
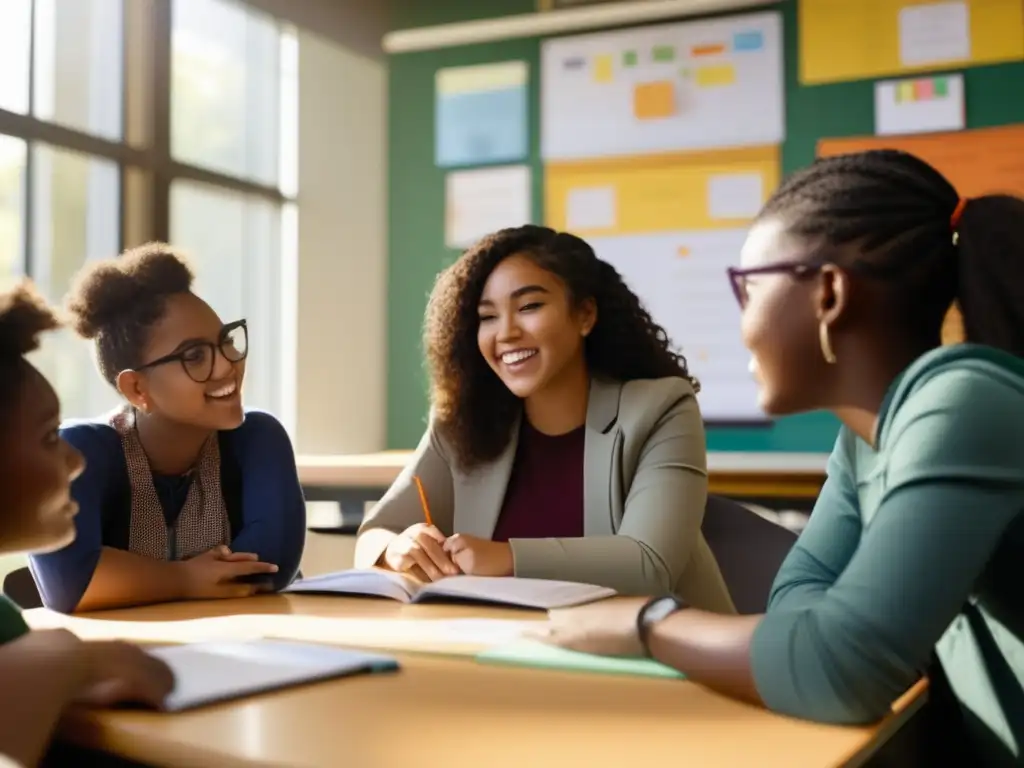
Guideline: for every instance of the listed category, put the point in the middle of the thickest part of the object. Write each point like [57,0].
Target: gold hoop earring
[826,343]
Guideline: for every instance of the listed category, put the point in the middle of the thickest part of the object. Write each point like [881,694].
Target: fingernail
[273,569]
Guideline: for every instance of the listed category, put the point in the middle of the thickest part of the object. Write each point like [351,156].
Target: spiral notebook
[205,673]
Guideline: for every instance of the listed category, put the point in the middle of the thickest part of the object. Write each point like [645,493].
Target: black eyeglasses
[738,276]
[198,358]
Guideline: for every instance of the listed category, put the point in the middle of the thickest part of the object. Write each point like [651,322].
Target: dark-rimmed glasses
[738,275]
[198,358]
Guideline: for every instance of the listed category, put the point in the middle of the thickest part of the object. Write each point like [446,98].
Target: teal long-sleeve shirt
[904,533]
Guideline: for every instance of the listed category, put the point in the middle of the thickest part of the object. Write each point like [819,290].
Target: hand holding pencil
[419,550]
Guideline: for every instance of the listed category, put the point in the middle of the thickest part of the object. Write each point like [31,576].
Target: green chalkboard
[416,190]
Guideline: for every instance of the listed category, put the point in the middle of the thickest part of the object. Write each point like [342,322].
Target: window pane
[75,217]
[234,242]
[12,209]
[78,78]
[15,47]
[225,89]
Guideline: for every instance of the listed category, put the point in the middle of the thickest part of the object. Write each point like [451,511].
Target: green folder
[529,653]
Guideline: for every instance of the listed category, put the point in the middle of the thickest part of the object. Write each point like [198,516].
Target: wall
[342,246]
[416,215]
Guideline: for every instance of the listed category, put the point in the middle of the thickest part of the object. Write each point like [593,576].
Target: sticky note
[714,77]
[604,69]
[748,41]
[629,59]
[941,87]
[682,252]
[708,50]
[653,101]
[923,89]
[574,62]
[904,92]
[663,53]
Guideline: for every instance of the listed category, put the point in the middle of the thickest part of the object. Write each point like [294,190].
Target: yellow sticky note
[713,77]
[682,252]
[652,101]
[604,69]
[905,92]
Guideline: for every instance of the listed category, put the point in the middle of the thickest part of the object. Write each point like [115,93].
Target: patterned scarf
[203,522]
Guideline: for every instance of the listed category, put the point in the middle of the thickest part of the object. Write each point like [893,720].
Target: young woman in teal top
[913,559]
[44,672]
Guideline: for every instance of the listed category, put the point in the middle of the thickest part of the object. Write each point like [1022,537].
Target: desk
[473,715]
[780,478]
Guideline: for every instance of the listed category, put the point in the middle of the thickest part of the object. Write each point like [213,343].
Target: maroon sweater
[544,497]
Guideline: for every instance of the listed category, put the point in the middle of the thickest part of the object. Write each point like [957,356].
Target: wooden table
[462,713]
[787,478]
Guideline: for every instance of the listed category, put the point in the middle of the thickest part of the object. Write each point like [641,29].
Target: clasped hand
[216,573]
[423,552]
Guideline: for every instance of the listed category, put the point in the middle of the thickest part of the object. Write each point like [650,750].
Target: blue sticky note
[747,41]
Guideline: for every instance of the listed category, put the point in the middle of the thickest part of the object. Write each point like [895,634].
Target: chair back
[20,587]
[749,550]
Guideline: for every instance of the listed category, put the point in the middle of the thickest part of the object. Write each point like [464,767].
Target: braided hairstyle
[473,409]
[896,210]
[24,316]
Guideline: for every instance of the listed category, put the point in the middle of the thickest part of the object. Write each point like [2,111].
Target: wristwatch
[654,610]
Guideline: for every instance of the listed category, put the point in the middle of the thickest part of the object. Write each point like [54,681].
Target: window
[235,245]
[77,58]
[15,48]
[75,217]
[12,209]
[225,89]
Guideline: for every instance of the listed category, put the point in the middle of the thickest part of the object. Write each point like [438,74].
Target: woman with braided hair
[913,559]
[565,441]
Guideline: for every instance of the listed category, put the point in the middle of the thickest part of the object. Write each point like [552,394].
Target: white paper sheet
[591,208]
[920,105]
[735,195]
[934,33]
[483,201]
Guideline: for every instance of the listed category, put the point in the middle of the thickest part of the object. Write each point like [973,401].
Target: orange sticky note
[652,101]
[712,77]
[683,251]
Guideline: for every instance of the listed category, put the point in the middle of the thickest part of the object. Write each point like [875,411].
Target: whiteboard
[681,279]
[695,85]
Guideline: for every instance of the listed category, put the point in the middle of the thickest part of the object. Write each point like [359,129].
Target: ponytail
[990,243]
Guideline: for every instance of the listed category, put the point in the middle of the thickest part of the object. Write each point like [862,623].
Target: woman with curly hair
[186,495]
[565,440]
[46,671]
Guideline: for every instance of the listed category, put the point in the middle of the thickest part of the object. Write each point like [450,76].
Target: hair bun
[24,314]
[106,292]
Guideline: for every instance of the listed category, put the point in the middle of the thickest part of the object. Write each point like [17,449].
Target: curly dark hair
[116,302]
[473,409]
[24,316]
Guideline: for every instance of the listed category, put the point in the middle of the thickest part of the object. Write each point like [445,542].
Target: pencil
[423,500]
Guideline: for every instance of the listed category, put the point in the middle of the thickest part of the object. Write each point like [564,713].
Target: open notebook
[523,593]
[205,673]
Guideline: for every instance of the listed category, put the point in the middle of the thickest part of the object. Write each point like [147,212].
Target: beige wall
[342,249]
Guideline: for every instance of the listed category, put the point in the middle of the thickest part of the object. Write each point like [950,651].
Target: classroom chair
[20,587]
[749,550]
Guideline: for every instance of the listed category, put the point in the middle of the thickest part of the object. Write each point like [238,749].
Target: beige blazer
[645,485]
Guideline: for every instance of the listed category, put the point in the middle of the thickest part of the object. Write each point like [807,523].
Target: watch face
[659,609]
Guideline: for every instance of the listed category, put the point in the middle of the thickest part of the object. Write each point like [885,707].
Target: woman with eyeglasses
[185,494]
[913,559]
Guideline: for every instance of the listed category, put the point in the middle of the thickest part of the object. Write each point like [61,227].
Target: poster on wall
[920,105]
[484,200]
[481,114]
[665,88]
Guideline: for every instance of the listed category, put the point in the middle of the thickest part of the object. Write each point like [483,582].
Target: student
[916,543]
[565,440]
[184,495]
[45,671]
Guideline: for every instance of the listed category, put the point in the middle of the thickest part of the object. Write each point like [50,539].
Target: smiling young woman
[185,494]
[565,440]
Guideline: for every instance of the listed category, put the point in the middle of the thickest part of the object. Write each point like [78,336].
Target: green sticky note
[528,653]
[629,59]
[663,53]
[941,86]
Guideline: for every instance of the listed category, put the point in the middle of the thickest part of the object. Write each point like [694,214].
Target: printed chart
[695,85]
